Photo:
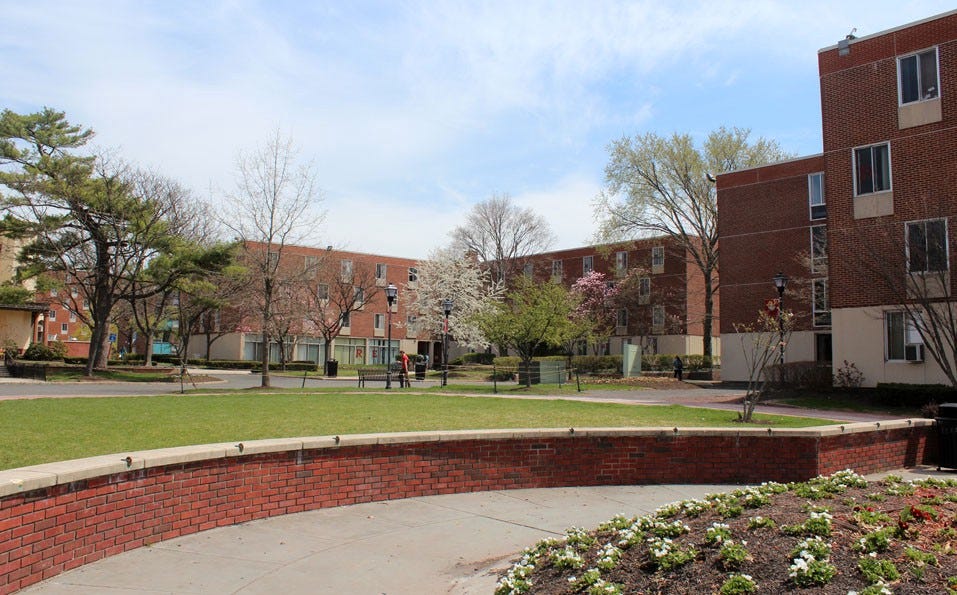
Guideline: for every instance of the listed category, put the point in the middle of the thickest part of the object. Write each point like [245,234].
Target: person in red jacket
[404,375]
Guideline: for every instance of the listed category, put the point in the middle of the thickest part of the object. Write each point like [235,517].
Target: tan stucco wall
[226,347]
[16,326]
[859,339]
[734,368]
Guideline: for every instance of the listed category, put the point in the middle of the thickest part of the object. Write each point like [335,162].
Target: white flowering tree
[448,274]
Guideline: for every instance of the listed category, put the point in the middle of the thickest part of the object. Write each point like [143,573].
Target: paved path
[438,544]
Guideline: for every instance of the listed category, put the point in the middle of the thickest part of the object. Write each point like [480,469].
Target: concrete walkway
[439,544]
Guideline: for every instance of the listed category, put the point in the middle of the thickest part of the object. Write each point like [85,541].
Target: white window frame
[818,263]
[918,57]
[72,316]
[621,319]
[816,312]
[557,269]
[907,245]
[644,287]
[816,201]
[64,329]
[378,322]
[360,294]
[588,264]
[381,271]
[346,319]
[51,315]
[658,317]
[310,263]
[345,270]
[658,256]
[621,263]
[909,336]
[528,270]
[322,291]
[890,169]
[413,274]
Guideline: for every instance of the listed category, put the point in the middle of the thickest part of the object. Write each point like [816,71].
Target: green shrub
[39,352]
[485,359]
[595,364]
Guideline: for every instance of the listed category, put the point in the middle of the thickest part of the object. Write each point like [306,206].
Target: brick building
[363,339]
[668,313]
[889,165]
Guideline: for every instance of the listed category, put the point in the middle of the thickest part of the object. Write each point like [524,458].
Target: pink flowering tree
[597,312]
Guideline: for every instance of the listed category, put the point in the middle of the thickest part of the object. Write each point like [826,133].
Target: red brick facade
[52,529]
[677,286]
[889,116]
[764,222]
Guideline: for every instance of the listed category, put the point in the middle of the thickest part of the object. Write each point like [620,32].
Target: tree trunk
[148,352]
[708,315]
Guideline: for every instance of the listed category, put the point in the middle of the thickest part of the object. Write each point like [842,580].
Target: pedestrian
[404,374]
[679,367]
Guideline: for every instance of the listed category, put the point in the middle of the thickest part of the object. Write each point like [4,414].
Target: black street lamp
[781,282]
[447,308]
[391,291]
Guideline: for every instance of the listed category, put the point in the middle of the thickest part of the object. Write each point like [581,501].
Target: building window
[927,246]
[658,317]
[345,270]
[621,263]
[360,295]
[72,316]
[379,322]
[86,304]
[917,77]
[64,329]
[311,264]
[815,192]
[557,269]
[658,256]
[272,259]
[622,318]
[872,169]
[644,287]
[588,264]
[54,291]
[346,319]
[322,291]
[52,315]
[903,340]
[380,271]
[413,274]
[74,292]
[820,305]
[528,269]
[818,248]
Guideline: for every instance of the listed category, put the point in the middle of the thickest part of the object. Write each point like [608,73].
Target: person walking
[679,367]
[404,374]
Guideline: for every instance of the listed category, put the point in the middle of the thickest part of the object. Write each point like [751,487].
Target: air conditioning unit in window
[914,353]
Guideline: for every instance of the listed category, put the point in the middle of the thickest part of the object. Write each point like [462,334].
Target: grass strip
[45,430]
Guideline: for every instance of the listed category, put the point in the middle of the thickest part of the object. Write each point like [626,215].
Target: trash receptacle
[947,436]
[332,368]
[420,370]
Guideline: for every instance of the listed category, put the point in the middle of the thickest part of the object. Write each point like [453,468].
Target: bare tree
[274,206]
[337,292]
[761,343]
[502,235]
[658,186]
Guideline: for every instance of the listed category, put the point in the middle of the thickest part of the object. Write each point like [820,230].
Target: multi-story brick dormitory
[364,338]
[667,314]
[867,225]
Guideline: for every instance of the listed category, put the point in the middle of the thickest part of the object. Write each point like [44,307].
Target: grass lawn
[44,430]
[840,402]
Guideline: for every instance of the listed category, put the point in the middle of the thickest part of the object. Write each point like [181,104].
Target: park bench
[380,374]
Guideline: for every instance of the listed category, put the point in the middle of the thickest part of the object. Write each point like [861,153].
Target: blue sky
[412,111]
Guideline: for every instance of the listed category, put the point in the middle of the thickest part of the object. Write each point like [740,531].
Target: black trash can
[947,436]
[332,368]
[420,370]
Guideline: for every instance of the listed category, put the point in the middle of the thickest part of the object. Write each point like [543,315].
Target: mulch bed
[929,525]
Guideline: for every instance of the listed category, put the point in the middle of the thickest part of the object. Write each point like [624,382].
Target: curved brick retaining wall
[58,516]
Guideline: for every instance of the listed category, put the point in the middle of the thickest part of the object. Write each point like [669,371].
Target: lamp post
[447,308]
[781,282]
[391,291]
